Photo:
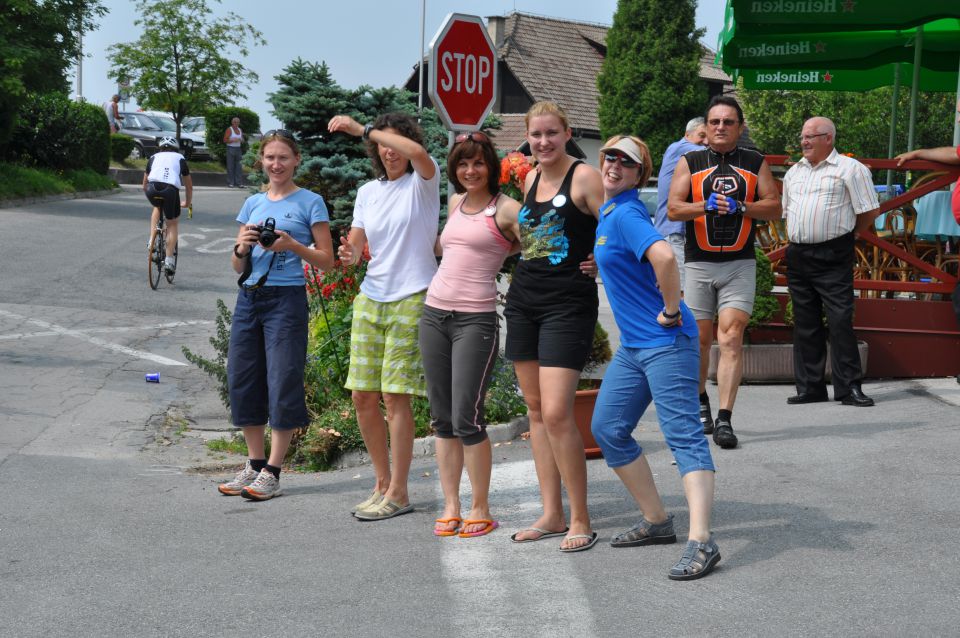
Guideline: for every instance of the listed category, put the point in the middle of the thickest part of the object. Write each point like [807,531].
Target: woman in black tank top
[551,313]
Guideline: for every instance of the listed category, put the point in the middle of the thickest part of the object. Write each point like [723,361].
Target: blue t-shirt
[623,236]
[674,152]
[295,214]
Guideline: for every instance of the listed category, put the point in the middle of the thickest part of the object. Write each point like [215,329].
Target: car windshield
[165,123]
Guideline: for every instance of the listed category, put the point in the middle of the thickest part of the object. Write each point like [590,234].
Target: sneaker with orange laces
[244,477]
[265,487]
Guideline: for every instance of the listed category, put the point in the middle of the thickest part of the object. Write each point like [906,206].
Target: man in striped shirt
[828,199]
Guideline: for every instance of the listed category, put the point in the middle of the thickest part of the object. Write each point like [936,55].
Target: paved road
[831,520]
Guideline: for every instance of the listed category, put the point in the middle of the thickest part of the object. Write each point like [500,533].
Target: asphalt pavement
[831,520]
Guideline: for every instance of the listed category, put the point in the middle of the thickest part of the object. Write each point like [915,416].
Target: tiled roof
[557,60]
[512,133]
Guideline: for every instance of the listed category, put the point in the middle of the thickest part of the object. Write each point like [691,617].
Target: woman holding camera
[397,215]
[268,337]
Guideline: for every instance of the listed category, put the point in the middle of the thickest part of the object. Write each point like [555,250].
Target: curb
[135,176]
[39,199]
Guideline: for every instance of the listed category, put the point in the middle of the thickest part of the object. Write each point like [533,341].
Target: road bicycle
[158,252]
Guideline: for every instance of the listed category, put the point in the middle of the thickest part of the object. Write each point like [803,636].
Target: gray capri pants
[458,351]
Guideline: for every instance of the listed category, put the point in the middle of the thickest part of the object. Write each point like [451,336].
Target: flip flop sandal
[697,561]
[370,502]
[489,526]
[447,532]
[386,509]
[582,548]
[544,533]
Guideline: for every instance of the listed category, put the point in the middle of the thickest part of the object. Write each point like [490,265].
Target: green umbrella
[833,79]
[791,16]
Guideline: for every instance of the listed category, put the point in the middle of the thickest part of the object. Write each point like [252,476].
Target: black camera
[267,233]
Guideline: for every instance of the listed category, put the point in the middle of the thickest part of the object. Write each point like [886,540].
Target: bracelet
[238,255]
[366,131]
[666,315]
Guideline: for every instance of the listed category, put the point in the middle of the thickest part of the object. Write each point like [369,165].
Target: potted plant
[589,388]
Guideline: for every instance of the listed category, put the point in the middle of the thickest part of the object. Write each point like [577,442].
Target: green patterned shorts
[384,346]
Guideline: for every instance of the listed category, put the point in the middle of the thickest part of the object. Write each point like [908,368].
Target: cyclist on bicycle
[166,171]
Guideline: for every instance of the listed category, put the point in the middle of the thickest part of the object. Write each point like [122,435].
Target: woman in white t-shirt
[397,215]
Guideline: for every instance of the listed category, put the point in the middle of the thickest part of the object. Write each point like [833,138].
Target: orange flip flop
[489,526]
[448,532]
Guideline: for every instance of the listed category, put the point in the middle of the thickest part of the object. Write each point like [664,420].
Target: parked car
[196,125]
[192,145]
[648,195]
[145,133]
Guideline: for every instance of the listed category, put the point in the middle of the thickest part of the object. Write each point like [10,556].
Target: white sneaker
[169,266]
[265,487]
[244,477]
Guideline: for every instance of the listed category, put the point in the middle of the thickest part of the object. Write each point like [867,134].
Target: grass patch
[201,167]
[233,444]
[18,181]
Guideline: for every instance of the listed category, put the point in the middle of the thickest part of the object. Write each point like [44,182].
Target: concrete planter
[772,362]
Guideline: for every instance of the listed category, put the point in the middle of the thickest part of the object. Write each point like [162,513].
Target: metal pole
[891,145]
[80,65]
[914,90]
[423,22]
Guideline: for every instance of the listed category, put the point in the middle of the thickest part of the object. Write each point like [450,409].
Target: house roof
[556,59]
[512,132]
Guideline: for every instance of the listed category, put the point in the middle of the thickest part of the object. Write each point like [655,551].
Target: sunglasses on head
[625,161]
[279,132]
[475,136]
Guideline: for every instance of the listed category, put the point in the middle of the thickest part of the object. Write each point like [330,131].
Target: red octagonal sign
[463,72]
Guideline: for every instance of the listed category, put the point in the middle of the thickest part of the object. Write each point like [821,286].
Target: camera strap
[248,270]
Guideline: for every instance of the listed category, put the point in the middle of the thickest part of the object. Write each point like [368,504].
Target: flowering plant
[513,171]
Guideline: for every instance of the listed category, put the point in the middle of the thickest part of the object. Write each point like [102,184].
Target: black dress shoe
[807,397]
[856,398]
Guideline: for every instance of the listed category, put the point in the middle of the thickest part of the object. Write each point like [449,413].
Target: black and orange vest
[735,174]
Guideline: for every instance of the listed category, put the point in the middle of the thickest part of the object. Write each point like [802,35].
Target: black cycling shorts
[166,197]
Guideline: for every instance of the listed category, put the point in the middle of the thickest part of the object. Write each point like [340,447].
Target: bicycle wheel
[171,275]
[155,261]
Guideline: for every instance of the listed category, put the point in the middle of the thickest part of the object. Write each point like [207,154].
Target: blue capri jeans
[669,376]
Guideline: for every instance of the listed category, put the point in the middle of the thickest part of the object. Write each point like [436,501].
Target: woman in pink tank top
[459,329]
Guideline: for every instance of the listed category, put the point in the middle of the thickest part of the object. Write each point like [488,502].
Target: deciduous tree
[180,62]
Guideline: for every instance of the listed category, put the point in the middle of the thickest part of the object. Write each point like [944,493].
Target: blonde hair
[545,107]
[647,167]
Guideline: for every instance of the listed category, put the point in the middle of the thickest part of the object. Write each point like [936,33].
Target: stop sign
[463,72]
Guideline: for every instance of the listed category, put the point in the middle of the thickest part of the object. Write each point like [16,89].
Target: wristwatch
[667,315]
[366,131]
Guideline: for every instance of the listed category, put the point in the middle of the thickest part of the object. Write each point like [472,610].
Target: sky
[374,42]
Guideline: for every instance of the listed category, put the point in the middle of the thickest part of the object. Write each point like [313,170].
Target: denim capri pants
[667,375]
[268,352]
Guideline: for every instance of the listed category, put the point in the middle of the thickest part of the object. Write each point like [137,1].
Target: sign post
[463,72]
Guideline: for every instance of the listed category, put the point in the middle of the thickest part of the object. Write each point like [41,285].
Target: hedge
[52,131]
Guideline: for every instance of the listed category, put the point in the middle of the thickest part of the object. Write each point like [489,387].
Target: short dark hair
[723,100]
[404,125]
[470,148]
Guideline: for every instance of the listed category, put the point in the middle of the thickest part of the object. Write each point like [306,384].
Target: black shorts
[556,337]
[166,197]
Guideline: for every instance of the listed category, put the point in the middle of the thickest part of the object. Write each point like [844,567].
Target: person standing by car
[694,139]
[398,215]
[658,360]
[166,171]
[233,138]
[268,336]
[551,314]
[112,109]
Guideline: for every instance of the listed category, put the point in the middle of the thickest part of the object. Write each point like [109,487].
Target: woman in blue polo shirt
[658,360]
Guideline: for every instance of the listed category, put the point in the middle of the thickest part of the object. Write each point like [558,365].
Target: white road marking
[60,330]
[469,561]
[209,246]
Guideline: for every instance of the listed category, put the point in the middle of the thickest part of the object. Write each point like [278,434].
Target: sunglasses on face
[625,161]
[718,122]
[279,132]
[475,136]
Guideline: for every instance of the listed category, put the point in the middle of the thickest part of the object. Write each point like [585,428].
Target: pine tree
[650,81]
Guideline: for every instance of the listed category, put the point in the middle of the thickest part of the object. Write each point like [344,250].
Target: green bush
[218,120]
[20,181]
[51,131]
[765,305]
[503,401]
[120,146]
[217,367]
[88,180]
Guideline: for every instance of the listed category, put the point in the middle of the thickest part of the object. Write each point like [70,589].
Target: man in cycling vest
[166,171]
[719,192]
